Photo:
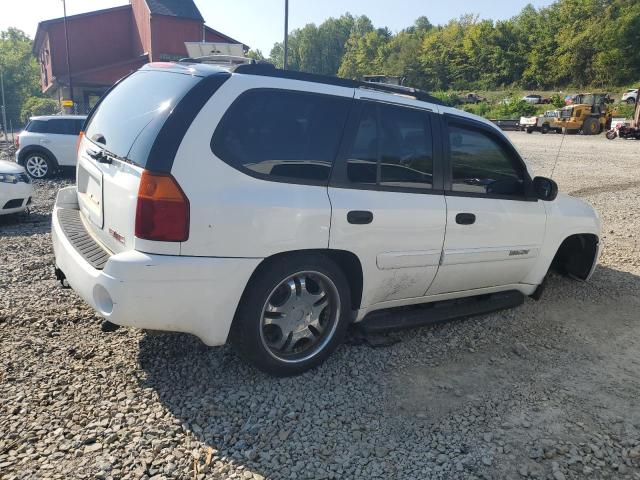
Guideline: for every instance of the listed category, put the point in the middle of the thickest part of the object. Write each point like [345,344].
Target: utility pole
[4,108]
[66,39]
[286,32]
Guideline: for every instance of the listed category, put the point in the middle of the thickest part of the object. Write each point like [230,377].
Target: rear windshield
[139,103]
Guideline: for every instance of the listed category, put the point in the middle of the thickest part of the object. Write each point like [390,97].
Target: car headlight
[8,178]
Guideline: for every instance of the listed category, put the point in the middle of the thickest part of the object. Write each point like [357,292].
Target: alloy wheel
[300,316]
[37,166]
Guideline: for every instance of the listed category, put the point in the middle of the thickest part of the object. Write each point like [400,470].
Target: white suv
[49,143]
[272,208]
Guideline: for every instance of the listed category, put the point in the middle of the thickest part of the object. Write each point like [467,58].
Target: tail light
[79,141]
[18,141]
[162,213]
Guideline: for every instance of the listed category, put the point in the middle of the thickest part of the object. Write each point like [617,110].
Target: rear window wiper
[102,155]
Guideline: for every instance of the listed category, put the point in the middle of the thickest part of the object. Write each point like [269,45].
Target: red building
[107,44]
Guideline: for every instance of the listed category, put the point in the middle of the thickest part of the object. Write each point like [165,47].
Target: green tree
[20,71]
[33,106]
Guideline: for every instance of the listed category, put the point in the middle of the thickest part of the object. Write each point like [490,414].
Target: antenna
[558,154]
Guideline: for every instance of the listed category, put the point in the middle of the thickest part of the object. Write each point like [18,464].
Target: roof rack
[269,70]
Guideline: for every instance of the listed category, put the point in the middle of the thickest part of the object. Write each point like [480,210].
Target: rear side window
[392,148]
[481,165]
[282,135]
[37,126]
[142,101]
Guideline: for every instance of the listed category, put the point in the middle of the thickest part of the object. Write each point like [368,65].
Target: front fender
[566,216]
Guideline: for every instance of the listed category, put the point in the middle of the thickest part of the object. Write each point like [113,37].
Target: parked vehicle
[630,96]
[528,124]
[588,114]
[16,190]
[542,123]
[471,98]
[536,99]
[48,144]
[272,208]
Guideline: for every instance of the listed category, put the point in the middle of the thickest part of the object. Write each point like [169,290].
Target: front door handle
[359,217]
[465,219]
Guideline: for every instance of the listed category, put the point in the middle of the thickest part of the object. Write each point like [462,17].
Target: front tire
[38,165]
[293,314]
[591,126]
[612,134]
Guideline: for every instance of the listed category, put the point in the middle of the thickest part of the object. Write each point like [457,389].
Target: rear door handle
[359,217]
[465,219]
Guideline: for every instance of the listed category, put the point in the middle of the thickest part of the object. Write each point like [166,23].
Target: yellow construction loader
[589,114]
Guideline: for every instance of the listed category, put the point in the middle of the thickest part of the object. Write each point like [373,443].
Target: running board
[437,312]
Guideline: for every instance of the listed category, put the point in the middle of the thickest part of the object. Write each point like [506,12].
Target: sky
[260,23]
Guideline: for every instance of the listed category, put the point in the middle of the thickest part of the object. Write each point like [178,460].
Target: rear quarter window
[282,135]
[37,126]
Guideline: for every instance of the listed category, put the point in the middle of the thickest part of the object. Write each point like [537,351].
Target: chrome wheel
[37,166]
[300,316]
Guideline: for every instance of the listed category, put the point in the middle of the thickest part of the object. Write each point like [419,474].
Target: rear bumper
[196,295]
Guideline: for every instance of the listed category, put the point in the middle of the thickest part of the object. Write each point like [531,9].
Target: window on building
[481,165]
[284,135]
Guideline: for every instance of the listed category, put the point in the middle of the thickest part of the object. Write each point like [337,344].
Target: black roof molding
[269,70]
[175,8]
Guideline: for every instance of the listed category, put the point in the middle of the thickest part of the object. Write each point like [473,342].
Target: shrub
[39,106]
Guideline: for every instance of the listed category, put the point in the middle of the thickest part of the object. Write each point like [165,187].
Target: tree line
[571,43]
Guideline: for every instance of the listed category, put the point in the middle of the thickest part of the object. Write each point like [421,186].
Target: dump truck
[589,114]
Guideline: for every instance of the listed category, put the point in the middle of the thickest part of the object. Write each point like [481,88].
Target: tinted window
[37,126]
[362,164]
[62,127]
[481,165]
[282,134]
[392,147]
[140,102]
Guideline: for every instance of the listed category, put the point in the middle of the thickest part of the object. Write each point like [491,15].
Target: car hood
[10,167]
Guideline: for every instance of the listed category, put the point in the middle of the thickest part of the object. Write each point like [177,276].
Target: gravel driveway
[548,390]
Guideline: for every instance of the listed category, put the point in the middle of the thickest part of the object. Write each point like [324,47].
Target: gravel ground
[549,390]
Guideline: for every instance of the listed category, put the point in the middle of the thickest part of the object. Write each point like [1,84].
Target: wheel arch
[576,256]
[347,261]
[25,151]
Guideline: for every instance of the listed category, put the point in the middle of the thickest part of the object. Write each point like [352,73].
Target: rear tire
[38,165]
[631,100]
[293,314]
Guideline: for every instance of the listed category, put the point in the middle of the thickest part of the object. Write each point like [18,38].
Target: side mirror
[545,189]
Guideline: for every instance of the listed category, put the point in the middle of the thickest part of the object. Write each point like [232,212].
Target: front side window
[481,165]
[392,148]
[283,135]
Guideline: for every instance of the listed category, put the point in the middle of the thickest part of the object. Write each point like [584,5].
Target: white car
[272,209]
[533,99]
[48,144]
[16,190]
[630,96]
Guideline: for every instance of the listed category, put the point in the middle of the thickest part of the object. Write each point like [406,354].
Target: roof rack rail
[267,69]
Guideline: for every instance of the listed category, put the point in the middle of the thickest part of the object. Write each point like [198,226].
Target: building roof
[175,8]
